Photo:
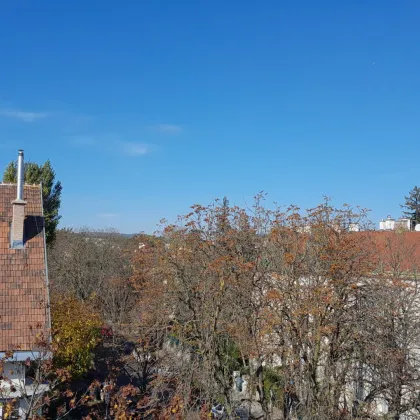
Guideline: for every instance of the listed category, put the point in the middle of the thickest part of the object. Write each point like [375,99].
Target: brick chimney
[17,233]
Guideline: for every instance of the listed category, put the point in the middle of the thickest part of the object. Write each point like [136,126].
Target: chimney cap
[20,177]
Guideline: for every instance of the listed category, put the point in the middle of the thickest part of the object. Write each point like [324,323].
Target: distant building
[392,224]
[354,227]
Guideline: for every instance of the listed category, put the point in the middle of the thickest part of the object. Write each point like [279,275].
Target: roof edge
[21,356]
[9,184]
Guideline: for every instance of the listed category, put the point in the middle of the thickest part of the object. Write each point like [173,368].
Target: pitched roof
[398,250]
[24,309]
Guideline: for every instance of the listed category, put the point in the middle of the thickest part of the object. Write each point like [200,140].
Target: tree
[94,267]
[46,389]
[76,333]
[412,205]
[304,307]
[390,329]
[222,219]
[51,191]
[253,294]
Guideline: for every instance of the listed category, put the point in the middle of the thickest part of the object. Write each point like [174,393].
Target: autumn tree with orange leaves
[272,288]
[319,317]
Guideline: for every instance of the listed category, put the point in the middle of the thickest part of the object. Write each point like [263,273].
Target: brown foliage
[256,289]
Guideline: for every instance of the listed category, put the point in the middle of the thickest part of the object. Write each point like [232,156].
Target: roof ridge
[7,184]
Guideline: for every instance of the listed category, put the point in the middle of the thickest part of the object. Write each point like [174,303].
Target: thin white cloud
[24,116]
[134,149]
[168,128]
[107,215]
[82,140]
[113,144]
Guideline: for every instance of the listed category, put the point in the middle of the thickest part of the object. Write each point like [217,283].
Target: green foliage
[222,220]
[274,384]
[412,205]
[76,333]
[51,191]
[230,355]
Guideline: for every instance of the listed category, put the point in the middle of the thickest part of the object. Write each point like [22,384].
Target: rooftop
[23,278]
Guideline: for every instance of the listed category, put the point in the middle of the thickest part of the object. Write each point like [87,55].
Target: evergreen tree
[412,205]
[51,191]
[223,224]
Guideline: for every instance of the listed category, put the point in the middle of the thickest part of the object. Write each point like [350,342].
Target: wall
[15,374]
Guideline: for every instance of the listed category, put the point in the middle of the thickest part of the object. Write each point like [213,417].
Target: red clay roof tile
[24,311]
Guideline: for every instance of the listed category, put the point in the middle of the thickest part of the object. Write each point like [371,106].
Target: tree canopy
[412,205]
[51,191]
[76,332]
[320,321]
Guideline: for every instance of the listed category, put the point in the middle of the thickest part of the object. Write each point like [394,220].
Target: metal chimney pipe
[20,175]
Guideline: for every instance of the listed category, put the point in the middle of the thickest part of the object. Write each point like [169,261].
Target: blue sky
[147,107]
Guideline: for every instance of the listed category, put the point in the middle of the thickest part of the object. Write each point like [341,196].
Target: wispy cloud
[25,116]
[112,143]
[134,149]
[107,215]
[83,140]
[168,128]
